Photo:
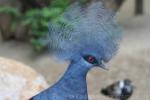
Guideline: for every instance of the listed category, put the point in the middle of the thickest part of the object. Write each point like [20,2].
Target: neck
[72,86]
[76,70]
[74,80]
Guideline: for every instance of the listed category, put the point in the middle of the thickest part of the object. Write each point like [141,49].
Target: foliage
[9,10]
[37,19]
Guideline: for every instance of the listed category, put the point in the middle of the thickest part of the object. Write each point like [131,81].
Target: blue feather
[91,30]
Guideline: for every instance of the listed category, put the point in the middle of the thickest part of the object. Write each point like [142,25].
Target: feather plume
[91,28]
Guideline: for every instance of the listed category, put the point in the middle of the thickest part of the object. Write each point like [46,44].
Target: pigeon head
[91,35]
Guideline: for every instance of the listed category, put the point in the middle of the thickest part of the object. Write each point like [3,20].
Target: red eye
[91,59]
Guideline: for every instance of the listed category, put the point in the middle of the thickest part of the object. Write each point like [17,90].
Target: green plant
[37,18]
[14,12]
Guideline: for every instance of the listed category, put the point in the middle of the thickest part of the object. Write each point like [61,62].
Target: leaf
[51,13]
[32,13]
[60,3]
[44,24]
[14,12]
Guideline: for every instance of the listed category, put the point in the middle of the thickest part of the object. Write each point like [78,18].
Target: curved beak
[103,65]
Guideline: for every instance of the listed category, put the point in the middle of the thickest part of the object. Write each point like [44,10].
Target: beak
[103,66]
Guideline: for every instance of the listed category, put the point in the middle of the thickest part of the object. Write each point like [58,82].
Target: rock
[18,81]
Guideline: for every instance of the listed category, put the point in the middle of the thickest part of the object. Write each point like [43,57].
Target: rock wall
[18,81]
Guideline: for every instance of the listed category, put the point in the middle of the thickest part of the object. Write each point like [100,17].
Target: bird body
[121,90]
[90,39]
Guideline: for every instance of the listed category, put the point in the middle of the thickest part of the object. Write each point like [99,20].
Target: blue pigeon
[90,39]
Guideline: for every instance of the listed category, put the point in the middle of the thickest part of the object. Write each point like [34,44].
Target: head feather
[90,29]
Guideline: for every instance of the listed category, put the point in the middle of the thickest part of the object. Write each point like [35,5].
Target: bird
[121,90]
[89,39]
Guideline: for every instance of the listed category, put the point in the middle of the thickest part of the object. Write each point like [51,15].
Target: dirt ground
[132,60]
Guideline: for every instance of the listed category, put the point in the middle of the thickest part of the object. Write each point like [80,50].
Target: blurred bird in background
[121,90]
[89,39]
